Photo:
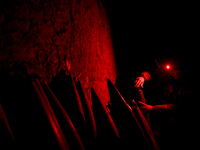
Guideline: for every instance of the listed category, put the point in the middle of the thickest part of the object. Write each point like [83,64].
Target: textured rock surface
[51,35]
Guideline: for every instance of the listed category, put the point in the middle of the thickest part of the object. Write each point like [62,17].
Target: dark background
[145,31]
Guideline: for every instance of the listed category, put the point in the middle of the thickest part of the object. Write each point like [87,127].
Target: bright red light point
[168,67]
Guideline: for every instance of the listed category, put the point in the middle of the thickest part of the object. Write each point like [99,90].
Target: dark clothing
[169,98]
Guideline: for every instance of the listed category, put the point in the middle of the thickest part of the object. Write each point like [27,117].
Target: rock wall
[52,35]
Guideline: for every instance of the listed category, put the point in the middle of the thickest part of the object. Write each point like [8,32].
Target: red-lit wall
[53,34]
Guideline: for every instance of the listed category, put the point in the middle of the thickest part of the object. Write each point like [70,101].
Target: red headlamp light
[168,67]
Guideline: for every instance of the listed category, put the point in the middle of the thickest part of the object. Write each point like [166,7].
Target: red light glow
[168,67]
